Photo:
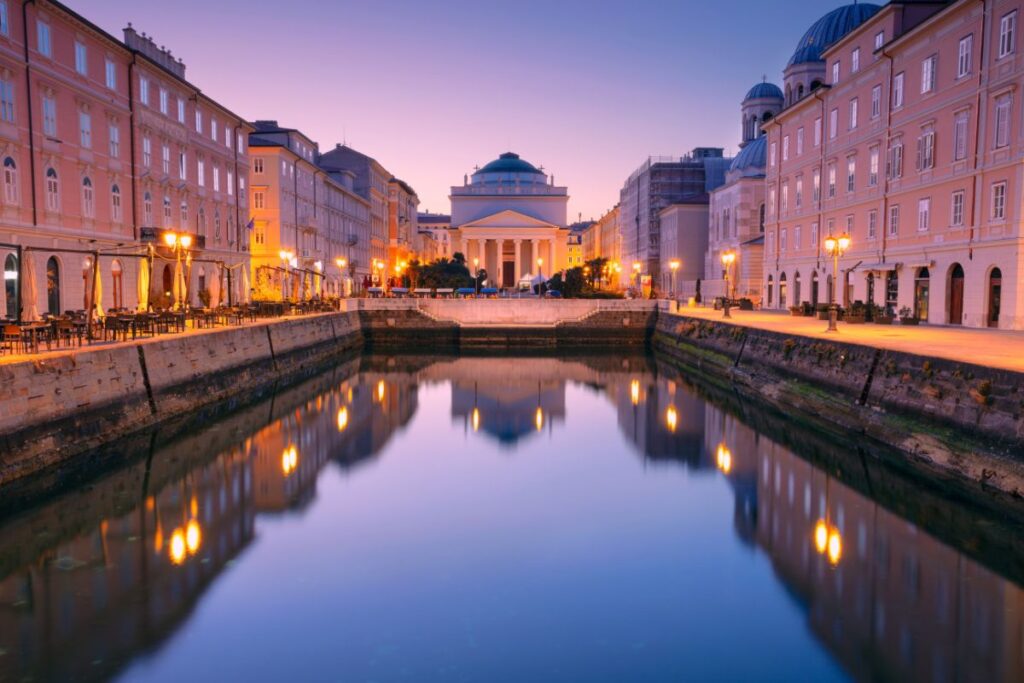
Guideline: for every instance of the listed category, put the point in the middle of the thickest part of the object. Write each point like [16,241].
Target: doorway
[921,286]
[508,274]
[956,295]
[995,293]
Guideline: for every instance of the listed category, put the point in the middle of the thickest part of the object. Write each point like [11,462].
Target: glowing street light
[728,258]
[671,418]
[673,266]
[538,419]
[634,391]
[476,419]
[289,460]
[835,247]
[723,458]
[342,418]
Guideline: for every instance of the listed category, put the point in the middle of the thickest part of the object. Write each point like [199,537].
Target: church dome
[830,29]
[764,91]
[751,159]
[509,162]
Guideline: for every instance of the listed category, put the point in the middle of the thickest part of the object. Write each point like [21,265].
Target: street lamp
[476,275]
[341,263]
[673,266]
[179,243]
[834,247]
[540,271]
[728,257]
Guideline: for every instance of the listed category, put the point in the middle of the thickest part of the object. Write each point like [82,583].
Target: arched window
[956,294]
[216,224]
[761,217]
[88,200]
[815,85]
[10,181]
[184,215]
[782,290]
[796,288]
[52,190]
[814,289]
[11,285]
[117,288]
[53,285]
[115,204]
[167,211]
[995,295]
[147,209]
[800,91]
[771,289]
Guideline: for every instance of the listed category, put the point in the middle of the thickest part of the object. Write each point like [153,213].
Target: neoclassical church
[513,218]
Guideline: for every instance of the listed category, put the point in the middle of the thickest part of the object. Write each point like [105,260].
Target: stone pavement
[1002,349]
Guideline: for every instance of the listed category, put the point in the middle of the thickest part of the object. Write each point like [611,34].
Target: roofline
[906,35]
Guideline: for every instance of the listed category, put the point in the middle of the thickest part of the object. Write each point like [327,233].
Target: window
[181,110]
[230,182]
[115,140]
[956,214]
[43,38]
[213,129]
[182,165]
[879,40]
[227,137]
[831,181]
[184,214]
[201,172]
[257,165]
[894,220]
[851,173]
[1007,33]
[928,74]
[165,159]
[771,158]
[144,90]
[816,185]
[52,190]
[796,238]
[799,192]
[924,210]
[81,59]
[88,201]
[85,128]
[963,56]
[5,27]
[897,90]
[849,224]
[771,201]
[111,72]
[785,148]
[873,166]
[785,202]
[799,141]
[258,199]
[835,72]
[199,121]
[876,101]
[163,101]
[49,116]
[239,143]
[216,179]
[896,159]
[999,201]
[872,224]
[147,208]
[10,181]
[1003,104]
[960,136]
[782,239]
[817,131]
[147,151]
[115,204]
[926,151]
[167,211]
[6,100]
[853,113]
[833,123]
[855,60]
[814,234]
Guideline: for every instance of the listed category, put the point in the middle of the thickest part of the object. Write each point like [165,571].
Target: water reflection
[95,579]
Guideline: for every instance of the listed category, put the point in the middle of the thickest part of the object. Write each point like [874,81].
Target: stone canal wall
[937,410]
[61,404]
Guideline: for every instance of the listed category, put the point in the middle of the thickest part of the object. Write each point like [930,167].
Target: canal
[590,518]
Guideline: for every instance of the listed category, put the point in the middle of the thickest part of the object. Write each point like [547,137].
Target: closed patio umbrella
[244,280]
[29,288]
[143,284]
[214,287]
[97,289]
[179,286]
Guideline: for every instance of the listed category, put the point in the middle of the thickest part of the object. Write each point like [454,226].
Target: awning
[878,267]
[920,264]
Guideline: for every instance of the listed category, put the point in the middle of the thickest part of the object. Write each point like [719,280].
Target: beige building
[435,236]
[403,234]
[684,239]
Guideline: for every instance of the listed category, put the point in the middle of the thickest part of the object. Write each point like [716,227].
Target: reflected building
[662,419]
[511,411]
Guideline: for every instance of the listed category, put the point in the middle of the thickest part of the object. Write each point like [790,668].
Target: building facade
[511,217]
[106,147]
[911,146]
[684,242]
[435,236]
[403,233]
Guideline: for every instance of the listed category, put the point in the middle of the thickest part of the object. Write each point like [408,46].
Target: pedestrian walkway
[993,348]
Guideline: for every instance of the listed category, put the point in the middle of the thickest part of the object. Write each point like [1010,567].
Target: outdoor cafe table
[33,333]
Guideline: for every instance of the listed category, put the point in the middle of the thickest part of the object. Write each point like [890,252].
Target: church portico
[511,221]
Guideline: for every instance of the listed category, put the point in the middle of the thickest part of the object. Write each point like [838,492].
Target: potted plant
[881,315]
[907,316]
[857,314]
[822,311]
[796,311]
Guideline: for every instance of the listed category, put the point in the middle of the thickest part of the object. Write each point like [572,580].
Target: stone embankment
[957,419]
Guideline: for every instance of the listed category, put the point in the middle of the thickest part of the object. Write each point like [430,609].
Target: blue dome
[764,90]
[509,163]
[830,29]
[752,158]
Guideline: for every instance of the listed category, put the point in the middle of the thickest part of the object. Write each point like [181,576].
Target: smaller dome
[763,91]
[752,158]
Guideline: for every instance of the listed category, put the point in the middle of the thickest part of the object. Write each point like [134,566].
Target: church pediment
[508,219]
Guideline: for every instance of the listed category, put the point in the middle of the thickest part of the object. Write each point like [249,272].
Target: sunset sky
[587,89]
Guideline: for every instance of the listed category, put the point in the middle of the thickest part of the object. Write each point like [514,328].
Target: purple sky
[589,89]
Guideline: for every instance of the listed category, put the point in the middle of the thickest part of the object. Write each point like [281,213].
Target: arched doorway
[892,292]
[86,289]
[796,288]
[814,289]
[921,286]
[53,286]
[782,290]
[956,295]
[167,282]
[995,295]
[771,290]
[117,286]
[11,285]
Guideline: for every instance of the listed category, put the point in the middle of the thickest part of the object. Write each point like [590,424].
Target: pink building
[902,129]
[105,146]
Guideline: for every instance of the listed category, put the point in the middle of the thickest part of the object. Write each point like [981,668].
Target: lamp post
[834,247]
[673,266]
[728,258]
[476,275]
[341,263]
[540,271]
[636,271]
[179,244]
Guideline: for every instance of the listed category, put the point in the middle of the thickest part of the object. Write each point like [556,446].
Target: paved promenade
[993,348]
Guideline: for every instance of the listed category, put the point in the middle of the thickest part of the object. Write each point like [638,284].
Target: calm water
[504,520]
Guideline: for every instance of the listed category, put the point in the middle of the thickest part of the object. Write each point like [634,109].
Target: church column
[551,255]
[534,254]
[482,251]
[518,268]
